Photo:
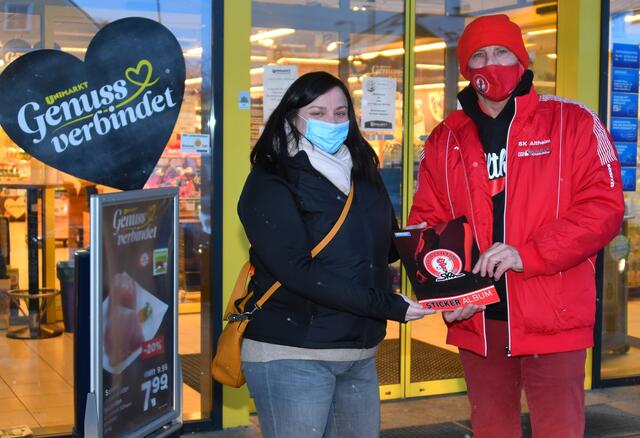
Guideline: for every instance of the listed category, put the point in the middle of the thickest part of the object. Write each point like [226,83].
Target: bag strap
[316,249]
[238,289]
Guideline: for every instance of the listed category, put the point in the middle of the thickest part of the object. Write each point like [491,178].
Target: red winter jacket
[563,204]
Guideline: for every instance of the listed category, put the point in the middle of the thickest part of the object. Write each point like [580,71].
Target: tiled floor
[36,379]
[36,382]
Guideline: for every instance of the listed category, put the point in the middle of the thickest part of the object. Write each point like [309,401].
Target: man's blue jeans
[308,398]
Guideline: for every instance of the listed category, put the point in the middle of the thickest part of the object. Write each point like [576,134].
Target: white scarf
[336,168]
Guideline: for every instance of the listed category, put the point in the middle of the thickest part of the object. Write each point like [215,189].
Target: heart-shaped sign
[15,207]
[107,119]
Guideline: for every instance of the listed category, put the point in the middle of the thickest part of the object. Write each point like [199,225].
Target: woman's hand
[420,226]
[415,310]
[462,313]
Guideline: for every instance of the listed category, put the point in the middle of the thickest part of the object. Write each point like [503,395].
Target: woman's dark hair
[271,149]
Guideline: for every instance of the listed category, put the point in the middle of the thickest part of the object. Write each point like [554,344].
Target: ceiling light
[541,32]
[193,81]
[438,85]
[632,18]
[438,67]
[430,47]
[308,61]
[194,52]
[270,34]
[74,49]
[392,52]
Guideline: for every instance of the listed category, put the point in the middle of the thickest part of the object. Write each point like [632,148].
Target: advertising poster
[277,78]
[624,105]
[137,313]
[624,129]
[627,153]
[629,179]
[624,109]
[625,55]
[624,80]
[378,104]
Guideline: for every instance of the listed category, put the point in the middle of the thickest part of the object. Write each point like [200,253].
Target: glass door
[361,42]
[434,366]
[617,355]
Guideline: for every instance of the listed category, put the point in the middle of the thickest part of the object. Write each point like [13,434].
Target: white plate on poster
[149,327]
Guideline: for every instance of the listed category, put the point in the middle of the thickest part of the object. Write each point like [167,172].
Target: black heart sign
[107,119]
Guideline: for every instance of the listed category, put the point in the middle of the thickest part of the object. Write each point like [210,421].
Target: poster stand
[127,369]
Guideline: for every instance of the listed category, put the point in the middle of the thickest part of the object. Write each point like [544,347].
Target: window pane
[620,355]
[359,42]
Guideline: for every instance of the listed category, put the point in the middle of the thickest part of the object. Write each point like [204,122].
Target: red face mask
[496,82]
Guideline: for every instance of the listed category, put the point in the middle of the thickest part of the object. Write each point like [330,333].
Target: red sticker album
[439,261]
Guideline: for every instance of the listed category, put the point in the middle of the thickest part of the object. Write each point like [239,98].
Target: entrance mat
[440,430]
[428,362]
[606,421]
[192,369]
[601,421]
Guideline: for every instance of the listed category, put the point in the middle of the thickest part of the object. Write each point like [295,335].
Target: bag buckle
[236,317]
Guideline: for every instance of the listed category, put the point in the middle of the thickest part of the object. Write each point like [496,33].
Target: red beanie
[491,30]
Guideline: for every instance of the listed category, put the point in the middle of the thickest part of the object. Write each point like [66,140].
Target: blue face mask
[328,137]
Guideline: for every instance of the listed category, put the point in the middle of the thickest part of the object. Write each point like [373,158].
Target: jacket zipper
[466,179]
[473,217]
[504,229]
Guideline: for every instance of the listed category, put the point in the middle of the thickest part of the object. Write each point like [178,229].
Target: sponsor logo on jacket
[534,152]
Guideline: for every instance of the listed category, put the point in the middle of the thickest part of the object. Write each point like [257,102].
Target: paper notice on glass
[194,143]
[378,104]
[277,79]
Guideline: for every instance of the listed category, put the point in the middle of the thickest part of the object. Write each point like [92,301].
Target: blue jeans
[309,398]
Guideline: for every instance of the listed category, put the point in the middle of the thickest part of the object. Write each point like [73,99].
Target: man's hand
[415,310]
[462,313]
[497,260]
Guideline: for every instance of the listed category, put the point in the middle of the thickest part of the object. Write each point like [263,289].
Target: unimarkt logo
[95,112]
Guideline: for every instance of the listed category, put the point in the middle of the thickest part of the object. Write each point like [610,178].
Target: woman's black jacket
[342,297]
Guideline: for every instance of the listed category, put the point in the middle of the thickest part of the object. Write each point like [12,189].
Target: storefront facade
[239,54]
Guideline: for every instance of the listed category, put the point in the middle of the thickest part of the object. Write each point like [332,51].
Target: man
[538,179]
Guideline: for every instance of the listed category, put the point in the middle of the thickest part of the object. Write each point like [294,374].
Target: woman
[309,353]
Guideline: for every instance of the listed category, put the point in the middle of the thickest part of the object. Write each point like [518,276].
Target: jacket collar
[525,106]
[465,137]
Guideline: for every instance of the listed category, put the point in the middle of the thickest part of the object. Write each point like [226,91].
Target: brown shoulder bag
[226,364]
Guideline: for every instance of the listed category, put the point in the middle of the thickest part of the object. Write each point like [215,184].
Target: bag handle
[316,249]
